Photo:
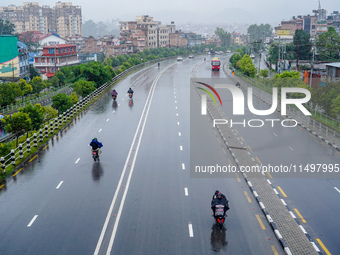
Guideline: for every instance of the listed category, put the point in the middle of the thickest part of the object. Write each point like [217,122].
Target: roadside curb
[295,218]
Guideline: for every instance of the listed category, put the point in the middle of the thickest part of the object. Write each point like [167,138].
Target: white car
[179,58]
[191,56]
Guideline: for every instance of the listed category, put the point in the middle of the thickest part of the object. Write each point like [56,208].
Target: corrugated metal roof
[337,64]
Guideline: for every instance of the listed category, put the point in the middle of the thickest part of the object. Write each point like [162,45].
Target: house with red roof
[54,57]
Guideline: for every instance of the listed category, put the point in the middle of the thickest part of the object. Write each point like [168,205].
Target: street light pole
[311,71]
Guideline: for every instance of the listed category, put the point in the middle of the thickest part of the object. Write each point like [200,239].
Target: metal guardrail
[41,99]
[60,121]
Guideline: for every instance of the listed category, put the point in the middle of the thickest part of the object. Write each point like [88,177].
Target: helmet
[95,139]
[216,192]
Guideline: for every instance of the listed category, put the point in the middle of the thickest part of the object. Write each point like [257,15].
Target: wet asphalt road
[139,199]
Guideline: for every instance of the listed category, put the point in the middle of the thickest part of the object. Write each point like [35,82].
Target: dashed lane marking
[60,183]
[274,250]
[191,231]
[32,221]
[186,192]
[323,246]
[299,214]
[284,194]
[248,198]
[260,221]
[17,172]
[33,158]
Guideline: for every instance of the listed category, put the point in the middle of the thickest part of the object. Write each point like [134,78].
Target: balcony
[68,63]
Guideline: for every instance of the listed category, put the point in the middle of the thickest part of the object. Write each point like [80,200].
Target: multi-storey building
[13,58]
[54,57]
[63,19]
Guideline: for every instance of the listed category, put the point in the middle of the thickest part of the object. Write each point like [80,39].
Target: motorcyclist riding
[219,199]
[114,92]
[130,92]
[95,144]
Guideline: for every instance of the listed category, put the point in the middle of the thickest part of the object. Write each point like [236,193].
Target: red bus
[215,64]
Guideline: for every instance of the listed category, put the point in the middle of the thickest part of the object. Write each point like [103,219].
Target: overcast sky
[197,11]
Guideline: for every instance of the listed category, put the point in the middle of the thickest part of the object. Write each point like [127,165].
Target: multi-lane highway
[140,198]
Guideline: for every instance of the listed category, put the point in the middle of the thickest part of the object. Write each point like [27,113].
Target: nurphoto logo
[238,101]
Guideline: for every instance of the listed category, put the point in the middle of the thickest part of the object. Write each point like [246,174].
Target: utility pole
[260,61]
[279,55]
[311,71]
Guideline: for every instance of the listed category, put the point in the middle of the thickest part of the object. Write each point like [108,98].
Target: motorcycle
[95,154]
[130,95]
[219,215]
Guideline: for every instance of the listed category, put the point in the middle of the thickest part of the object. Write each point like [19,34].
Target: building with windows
[63,19]
[54,57]
[13,58]
[23,60]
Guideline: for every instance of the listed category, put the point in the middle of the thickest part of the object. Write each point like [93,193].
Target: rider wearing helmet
[219,199]
[130,91]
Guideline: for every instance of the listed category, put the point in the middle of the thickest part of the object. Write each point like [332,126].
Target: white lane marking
[100,130]
[283,202]
[175,96]
[181,147]
[113,112]
[176,114]
[179,134]
[118,104]
[175,102]
[77,160]
[290,148]
[186,192]
[191,231]
[115,227]
[337,189]
[275,134]
[32,221]
[177,123]
[107,119]
[183,166]
[59,184]
[176,107]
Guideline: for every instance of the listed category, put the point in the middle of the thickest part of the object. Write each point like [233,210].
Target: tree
[257,34]
[50,113]
[25,88]
[224,36]
[6,27]
[18,123]
[54,81]
[264,73]
[7,94]
[33,72]
[17,88]
[335,108]
[302,44]
[74,98]
[61,102]
[115,62]
[36,114]
[28,39]
[247,66]
[328,45]
[83,87]
[235,58]
[37,84]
